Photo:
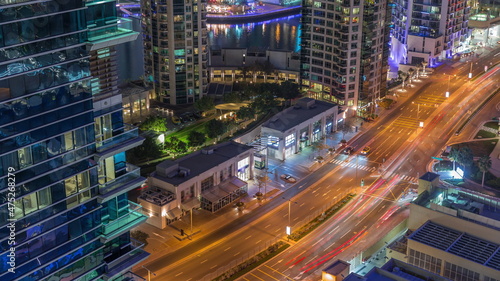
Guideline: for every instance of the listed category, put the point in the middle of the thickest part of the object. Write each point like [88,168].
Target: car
[288,178]
[197,115]
[348,150]
[366,150]
[187,117]
[176,120]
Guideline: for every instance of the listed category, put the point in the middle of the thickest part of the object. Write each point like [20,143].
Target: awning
[191,204]
[174,213]
[225,188]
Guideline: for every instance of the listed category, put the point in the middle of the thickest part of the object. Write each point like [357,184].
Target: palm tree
[403,77]
[454,155]
[411,71]
[484,164]
[424,65]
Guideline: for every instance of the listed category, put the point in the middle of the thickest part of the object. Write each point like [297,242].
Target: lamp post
[448,91]
[149,273]
[418,108]
[289,227]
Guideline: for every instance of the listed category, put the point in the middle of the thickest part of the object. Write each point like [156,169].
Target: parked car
[366,150]
[187,117]
[176,120]
[197,115]
[288,178]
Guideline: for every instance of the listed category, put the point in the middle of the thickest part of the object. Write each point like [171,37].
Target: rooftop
[337,267]
[178,171]
[429,176]
[304,109]
[396,270]
[458,243]
[478,208]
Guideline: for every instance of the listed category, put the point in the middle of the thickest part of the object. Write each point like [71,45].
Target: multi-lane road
[400,150]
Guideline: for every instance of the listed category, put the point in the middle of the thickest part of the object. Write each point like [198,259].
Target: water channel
[276,34]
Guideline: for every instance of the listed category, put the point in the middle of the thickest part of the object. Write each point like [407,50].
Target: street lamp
[149,273]
[289,227]
[448,91]
[418,108]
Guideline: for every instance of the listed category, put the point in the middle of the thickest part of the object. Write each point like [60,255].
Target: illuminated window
[289,140]
[273,141]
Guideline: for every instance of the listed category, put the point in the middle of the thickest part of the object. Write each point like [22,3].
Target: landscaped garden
[474,158]
[161,144]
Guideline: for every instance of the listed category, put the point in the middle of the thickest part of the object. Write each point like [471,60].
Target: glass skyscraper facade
[175,49]
[63,174]
[345,50]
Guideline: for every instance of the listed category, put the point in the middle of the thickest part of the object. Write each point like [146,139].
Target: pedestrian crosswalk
[430,100]
[406,122]
[409,179]
[352,165]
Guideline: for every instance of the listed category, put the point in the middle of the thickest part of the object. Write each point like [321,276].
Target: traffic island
[253,262]
[316,222]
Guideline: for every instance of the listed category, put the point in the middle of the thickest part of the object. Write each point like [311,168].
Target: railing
[132,217]
[133,172]
[129,132]
[135,249]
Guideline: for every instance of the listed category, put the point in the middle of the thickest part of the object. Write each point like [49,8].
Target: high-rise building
[175,49]
[429,30]
[345,51]
[64,211]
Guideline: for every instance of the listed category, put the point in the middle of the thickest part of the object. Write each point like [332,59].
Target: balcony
[112,34]
[123,141]
[121,265]
[118,226]
[124,183]
[128,276]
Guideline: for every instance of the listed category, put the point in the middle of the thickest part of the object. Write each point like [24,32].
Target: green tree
[204,104]
[466,157]
[264,103]
[214,128]
[289,90]
[154,123]
[196,138]
[346,127]
[484,164]
[245,113]
[176,146]
[150,149]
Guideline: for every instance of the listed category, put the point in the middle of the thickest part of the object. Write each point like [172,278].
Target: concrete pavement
[163,241]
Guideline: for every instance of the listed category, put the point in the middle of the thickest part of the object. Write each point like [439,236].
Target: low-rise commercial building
[393,270]
[294,128]
[454,233]
[211,178]
[240,64]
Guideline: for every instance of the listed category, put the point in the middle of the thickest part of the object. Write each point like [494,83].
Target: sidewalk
[163,241]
